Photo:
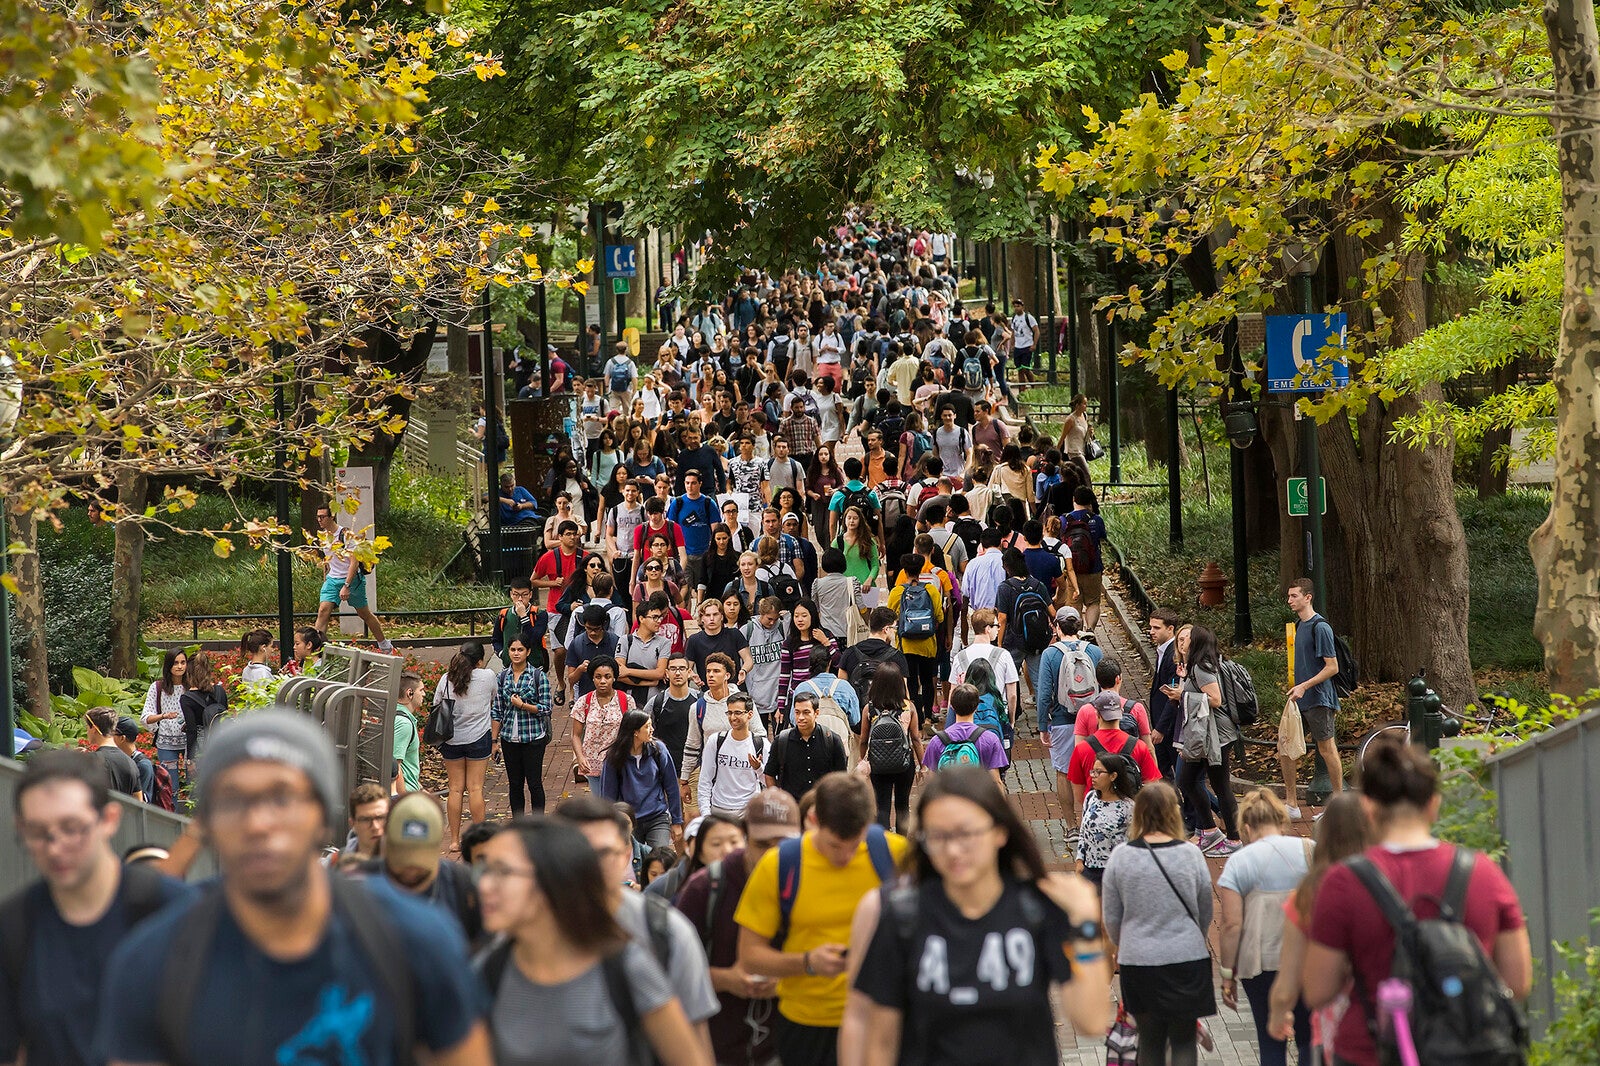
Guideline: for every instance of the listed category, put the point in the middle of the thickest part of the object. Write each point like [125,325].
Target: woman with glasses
[957,964]
[520,717]
[564,957]
[652,577]
[1107,813]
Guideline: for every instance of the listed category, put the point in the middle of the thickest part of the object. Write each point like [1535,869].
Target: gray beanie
[275,735]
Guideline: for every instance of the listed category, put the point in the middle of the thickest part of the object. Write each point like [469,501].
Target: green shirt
[408,748]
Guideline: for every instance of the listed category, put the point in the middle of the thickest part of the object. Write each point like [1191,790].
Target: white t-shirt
[1005,670]
[1022,330]
[785,475]
[727,780]
[831,426]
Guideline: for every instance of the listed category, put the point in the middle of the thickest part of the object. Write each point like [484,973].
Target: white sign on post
[357,485]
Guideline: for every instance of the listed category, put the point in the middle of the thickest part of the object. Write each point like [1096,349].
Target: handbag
[441,724]
[1093,450]
[1122,1041]
[1291,732]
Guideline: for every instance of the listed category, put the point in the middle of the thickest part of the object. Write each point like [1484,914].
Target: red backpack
[164,795]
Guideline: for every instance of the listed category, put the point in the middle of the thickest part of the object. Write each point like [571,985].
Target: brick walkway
[1033,789]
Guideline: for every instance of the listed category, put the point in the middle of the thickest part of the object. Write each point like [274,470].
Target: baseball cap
[692,830]
[127,728]
[414,831]
[772,808]
[1068,613]
[1108,705]
[280,735]
[791,517]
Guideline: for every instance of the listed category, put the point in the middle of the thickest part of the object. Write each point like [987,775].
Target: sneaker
[386,646]
[1208,839]
[1072,837]
[1202,1036]
[1294,814]
[1315,818]
[1223,848]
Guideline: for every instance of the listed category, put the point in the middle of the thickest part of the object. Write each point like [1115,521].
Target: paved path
[1033,790]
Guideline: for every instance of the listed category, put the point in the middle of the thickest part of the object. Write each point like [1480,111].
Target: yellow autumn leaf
[489,205]
[407,146]
[222,547]
[583,266]
[580,287]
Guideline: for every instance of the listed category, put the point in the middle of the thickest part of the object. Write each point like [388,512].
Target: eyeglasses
[371,819]
[594,566]
[42,836]
[652,569]
[956,838]
[234,807]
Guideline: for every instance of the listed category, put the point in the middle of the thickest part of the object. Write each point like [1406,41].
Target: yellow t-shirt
[928,646]
[823,909]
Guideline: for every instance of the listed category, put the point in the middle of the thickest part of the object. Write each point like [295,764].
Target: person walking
[892,744]
[920,609]
[1209,733]
[638,771]
[731,771]
[471,687]
[346,580]
[1316,663]
[1352,937]
[929,986]
[163,713]
[1256,883]
[1156,898]
[1107,813]
[520,720]
[568,983]
[60,929]
[805,752]
[796,910]
[348,957]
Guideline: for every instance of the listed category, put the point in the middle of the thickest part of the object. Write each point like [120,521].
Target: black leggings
[1158,1032]
[922,684]
[894,791]
[1221,784]
[525,766]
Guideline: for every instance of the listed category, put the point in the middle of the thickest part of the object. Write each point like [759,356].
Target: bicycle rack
[353,697]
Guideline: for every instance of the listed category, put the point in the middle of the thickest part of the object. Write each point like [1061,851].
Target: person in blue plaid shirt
[520,716]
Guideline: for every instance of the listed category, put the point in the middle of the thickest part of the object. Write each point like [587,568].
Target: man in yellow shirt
[796,910]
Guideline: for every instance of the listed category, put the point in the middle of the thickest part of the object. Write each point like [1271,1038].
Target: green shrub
[1574,1032]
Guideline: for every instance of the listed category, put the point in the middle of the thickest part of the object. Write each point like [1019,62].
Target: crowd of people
[793,687]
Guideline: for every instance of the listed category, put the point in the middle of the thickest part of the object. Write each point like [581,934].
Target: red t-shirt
[556,564]
[1113,739]
[1089,718]
[1347,918]
[642,535]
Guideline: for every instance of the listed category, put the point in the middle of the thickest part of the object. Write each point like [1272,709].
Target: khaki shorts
[691,806]
[1090,588]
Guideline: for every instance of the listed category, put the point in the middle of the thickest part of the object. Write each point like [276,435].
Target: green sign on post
[619,285]
[1297,497]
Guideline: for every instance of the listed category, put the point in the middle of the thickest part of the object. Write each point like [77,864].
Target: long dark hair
[166,668]
[622,748]
[902,538]
[1203,652]
[888,689]
[708,822]
[795,642]
[980,675]
[567,871]
[1121,769]
[466,660]
[733,542]
[1019,855]
[818,470]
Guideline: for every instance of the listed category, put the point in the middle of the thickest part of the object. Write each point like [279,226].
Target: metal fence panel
[141,824]
[1548,800]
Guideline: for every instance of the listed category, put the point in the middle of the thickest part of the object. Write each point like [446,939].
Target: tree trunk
[127,572]
[406,361]
[30,633]
[1566,546]
[1405,551]
[1492,474]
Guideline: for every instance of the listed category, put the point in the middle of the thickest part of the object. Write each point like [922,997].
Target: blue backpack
[789,856]
[916,612]
[619,376]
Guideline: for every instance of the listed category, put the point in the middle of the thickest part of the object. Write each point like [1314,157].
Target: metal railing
[468,460]
[472,614]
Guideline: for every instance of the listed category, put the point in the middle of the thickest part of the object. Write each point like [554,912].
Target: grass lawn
[184,576]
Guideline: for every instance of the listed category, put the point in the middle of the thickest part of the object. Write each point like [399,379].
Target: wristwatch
[1088,929]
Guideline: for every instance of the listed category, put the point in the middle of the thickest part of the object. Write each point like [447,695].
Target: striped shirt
[519,725]
[794,669]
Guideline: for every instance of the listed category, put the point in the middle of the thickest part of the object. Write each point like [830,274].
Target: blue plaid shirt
[519,725]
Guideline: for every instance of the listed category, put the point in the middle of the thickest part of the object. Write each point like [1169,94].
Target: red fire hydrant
[1213,584]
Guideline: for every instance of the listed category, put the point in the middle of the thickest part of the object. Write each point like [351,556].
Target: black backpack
[1125,753]
[970,530]
[490,965]
[142,890]
[1462,1013]
[863,672]
[1030,613]
[865,499]
[888,745]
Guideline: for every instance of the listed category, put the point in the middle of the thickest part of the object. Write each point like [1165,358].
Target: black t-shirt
[121,773]
[959,402]
[62,977]
[1005,600]
[728,641]
[968,986]
[670,716]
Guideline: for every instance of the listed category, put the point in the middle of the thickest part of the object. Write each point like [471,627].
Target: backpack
[891,426]
[1075,681]
[1348,679]
[142,891]
[892,506]
[786,588]
[863,672]
[375,936]
[1238,692]
[1080,538]
[921,444]
[963,752]
[1030,612]
[618,379]
[790,854]
[1125,753]
[865,500]
[970,530]
[888,746]
[164,795]
[490,967]
[831,716]
[972,366]
[1462,1013]
[916,612]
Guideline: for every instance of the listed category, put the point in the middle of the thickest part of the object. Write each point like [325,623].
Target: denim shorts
[478,749]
